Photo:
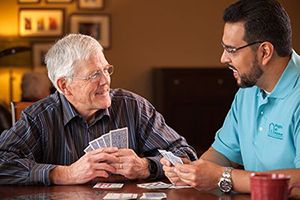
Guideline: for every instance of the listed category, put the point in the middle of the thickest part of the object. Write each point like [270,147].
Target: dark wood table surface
[87,192]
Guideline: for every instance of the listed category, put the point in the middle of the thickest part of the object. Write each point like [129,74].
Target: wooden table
[87,192]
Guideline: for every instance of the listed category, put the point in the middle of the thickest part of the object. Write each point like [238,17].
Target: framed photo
[90,4]
[39,51]
[95,25]
[59,1]
[41,22]
[28,1]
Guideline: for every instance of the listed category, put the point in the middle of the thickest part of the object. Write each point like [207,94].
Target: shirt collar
[288,79]
[70,113]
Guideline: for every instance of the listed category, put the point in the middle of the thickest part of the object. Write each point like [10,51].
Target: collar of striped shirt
[70,113]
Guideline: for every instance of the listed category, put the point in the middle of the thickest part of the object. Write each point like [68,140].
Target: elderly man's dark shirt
[51,132]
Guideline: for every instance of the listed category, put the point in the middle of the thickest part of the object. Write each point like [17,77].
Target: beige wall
[155,33]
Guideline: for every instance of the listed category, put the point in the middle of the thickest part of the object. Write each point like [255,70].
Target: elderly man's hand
[130,165]
[96,163]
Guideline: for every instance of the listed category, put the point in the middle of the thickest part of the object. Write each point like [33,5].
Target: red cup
[270,186]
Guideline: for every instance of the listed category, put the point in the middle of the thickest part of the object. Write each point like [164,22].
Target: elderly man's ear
[62,84]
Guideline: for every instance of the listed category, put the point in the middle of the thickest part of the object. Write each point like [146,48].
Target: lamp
[8,52]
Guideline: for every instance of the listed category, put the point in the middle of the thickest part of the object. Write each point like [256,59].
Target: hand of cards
[115,138]
[170,157]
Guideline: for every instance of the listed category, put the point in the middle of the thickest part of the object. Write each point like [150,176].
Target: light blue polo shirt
[263,133]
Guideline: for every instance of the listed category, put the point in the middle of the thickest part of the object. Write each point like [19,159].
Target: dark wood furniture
[86,192]
[194,101]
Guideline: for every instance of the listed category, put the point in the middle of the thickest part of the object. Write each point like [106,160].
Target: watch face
[225,185]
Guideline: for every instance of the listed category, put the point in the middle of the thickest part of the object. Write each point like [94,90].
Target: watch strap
[225,182]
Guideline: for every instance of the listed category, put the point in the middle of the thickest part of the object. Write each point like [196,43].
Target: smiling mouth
[234,70]
[102,92]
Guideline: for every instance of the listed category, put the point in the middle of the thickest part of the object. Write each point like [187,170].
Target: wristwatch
[225,182]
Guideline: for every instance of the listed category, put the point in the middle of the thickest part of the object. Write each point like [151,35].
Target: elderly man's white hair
[63,55]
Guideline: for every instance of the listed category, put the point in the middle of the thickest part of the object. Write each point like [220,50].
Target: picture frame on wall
[28,1]
[59,1]
[95,25]
[90,4]
[39,51]
[41,22]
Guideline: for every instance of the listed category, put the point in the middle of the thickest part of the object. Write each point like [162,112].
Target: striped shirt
[51,132]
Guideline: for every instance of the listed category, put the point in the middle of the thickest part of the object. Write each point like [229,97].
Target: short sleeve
[227,138]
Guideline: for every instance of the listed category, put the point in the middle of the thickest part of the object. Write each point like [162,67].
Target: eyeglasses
[232,50]
[95,76]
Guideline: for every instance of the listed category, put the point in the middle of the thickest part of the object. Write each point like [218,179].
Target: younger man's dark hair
[265,20]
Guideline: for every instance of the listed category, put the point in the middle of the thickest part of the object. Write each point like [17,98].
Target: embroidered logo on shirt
[275,131]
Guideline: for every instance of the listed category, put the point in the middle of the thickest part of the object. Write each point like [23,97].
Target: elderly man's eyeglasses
[106,71]
[232,50]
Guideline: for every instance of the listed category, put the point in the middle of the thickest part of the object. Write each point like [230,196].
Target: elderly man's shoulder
[119,93]
[48,104]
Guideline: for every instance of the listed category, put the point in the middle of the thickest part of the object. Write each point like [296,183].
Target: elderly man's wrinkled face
[90,85]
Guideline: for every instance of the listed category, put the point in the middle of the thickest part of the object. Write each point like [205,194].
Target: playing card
[101,142]
[153,195]
[106,138]
[174,159]
[180,186]
[154,185]
[170,157]
[94,144]
[119,138]
[115,138]
[114,196]
[87,149]
[108,185]
[164,153]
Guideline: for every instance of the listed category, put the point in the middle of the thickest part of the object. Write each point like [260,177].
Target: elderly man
[261,130]
[46,146]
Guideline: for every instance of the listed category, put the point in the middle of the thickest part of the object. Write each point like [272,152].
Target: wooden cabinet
[194,101]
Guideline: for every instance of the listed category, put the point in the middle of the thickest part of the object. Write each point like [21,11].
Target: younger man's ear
[267,50]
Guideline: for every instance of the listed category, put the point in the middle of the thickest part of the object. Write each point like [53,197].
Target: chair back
[16,109]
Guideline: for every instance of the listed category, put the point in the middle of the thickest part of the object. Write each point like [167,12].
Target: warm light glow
[8,31]
[4,82]
[8,21]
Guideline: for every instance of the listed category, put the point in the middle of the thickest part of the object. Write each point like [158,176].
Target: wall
[154,33]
